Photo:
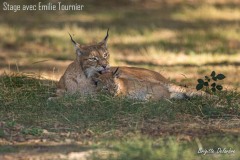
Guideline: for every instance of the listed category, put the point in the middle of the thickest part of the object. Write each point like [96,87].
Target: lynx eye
[93,59]
[105,55]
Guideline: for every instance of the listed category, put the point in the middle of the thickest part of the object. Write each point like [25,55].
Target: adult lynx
[90,59]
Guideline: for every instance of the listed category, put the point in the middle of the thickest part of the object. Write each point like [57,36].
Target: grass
[183,41]
[102,121]
[143,148]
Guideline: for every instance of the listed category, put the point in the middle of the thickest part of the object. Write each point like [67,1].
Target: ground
[183,40]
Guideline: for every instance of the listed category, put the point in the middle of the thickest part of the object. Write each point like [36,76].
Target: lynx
[94,59]
[114,84]
[90,59]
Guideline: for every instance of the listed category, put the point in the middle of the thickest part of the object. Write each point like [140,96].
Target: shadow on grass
[25,97]
[23,100]
[36,148]
[184,43]
[125,20]
[151,64]
[133,16]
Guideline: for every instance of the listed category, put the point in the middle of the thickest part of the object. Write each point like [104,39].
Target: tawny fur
[92,59]
[140,74]
[140,88]
[77,77]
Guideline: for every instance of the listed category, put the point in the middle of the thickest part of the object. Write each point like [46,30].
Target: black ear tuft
[106,37]
[115,73]
[76,46]
[72,39]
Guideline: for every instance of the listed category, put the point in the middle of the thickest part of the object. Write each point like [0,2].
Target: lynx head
[92,58]
[106,82]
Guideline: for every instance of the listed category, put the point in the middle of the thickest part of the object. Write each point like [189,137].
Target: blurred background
[182,39]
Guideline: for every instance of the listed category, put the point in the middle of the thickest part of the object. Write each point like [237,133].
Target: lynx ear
[104,41]
[116,73]
[76,46]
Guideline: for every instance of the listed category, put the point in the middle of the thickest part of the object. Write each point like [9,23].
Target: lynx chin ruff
[113,83]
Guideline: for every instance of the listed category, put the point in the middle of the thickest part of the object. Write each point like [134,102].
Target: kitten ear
[76,46]
[116,73]
[104,41]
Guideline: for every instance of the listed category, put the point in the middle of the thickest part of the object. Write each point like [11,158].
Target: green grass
[171,149]
[104,120]
[26,94]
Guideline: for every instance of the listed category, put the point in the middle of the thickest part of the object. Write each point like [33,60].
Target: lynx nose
[104,66]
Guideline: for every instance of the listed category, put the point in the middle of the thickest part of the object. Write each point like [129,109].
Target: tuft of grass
[33,131]
[25,111]
[25,97]
[170,149]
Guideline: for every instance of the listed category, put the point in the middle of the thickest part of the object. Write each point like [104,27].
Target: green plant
[33,131]
[206,83]
[11,124]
